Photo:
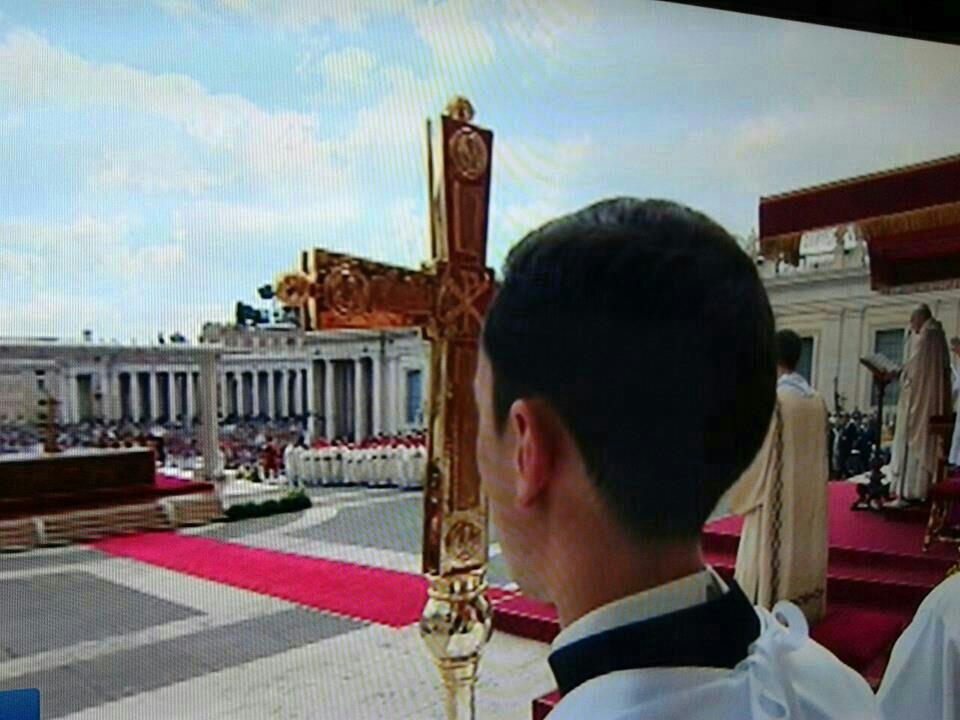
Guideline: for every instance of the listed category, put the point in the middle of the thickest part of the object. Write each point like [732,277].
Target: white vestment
[336,465]
[307,466]
[324,466]
[406,467]
[289,470]
[376,466]
[784,499]
[922,680]
[419,465]
[925,389]
[395,466]
[785,675]
[954,458]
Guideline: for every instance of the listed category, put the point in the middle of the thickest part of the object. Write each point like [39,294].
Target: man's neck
[604,571]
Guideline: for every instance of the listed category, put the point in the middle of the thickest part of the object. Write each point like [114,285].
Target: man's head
[920,316]
[628,358]
[789,348]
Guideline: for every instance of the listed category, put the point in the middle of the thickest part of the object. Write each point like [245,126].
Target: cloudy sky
[160,160]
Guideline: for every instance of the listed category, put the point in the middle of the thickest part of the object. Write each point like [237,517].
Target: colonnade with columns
[339,394]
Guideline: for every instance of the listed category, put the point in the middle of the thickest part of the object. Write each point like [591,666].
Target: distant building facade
[829,303]
[345,383]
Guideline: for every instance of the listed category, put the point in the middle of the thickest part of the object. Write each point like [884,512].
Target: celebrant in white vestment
[954,457]
[784,498]
[648,629]
[925,391]
[922,679]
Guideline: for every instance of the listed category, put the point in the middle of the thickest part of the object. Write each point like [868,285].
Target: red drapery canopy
[909,216]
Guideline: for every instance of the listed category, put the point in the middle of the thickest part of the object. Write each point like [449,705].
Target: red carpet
[174,485]
[362,593]
[376,595]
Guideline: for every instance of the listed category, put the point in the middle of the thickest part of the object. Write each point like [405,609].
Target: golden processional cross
[447,300]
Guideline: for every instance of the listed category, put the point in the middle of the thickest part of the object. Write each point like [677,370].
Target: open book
[881,366]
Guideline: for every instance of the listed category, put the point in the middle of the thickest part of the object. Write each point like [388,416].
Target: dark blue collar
[717,634]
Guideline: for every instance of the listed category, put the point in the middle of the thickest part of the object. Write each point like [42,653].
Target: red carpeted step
[526,618]
[869,587]
[857,636]
[543,705]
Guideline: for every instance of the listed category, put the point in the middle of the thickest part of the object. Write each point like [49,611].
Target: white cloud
[211,223]
[344,72]
[266,147]
[456,34]
[548,26]
[346,15]
[147,174]
[86,249]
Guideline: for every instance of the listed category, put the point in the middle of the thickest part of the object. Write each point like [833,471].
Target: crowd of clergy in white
[378,462]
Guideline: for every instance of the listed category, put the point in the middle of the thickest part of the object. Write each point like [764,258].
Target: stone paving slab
[61,609]
[370,674]
[150,667]
[47,558]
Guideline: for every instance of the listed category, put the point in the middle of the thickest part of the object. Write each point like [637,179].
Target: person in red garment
[640,306]
[269,460]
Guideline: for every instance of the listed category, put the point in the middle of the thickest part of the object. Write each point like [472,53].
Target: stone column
[209,430]
[284,399]
[377,392]
[153,386]
[311,408]
[399,410]
[391,383]
[271,394]
[171,395]
[256,392]
[360,424]
[188,411]
[135,396]
[74,391]
[224,402]
[116,409]
[329,406]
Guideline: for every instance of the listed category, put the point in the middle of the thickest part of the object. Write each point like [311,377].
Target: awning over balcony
[909,217]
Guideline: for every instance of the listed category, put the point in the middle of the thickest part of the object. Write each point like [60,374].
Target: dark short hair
[789,349]
[646,328]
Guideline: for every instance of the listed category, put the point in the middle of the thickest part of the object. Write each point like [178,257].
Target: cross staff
[446,300]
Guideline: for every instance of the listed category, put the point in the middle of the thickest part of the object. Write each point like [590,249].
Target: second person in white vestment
[649,630]
[954,457]
[784,497]
[922,679]
[925,391]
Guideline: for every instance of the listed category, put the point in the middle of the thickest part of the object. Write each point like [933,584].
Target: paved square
[115,637]
[59,609]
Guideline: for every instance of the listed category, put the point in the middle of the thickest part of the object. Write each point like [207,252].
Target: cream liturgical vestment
[783,498]
[925,391]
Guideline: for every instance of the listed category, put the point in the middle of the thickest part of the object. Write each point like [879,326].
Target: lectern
[884,371]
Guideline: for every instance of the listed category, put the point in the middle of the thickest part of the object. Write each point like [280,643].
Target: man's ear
[536,447]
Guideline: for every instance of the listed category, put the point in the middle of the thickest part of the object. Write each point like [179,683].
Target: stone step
[79,526]
[198,509]
[18,535]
